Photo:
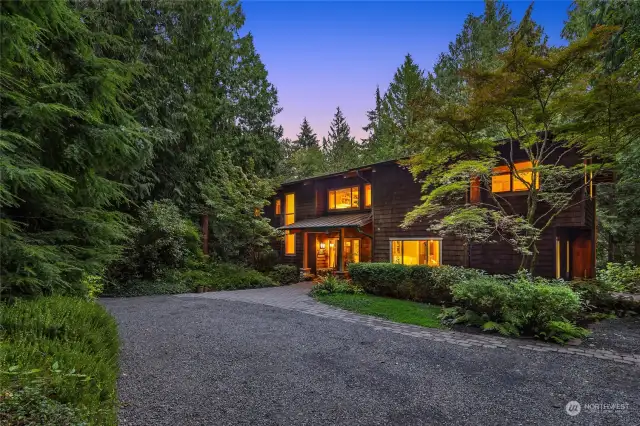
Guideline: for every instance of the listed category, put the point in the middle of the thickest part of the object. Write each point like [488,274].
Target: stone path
[296,298]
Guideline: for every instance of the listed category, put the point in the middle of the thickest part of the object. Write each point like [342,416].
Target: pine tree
[306,138]
[370,143]
[340,148]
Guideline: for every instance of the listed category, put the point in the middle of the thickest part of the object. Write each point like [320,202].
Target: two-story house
[355,216]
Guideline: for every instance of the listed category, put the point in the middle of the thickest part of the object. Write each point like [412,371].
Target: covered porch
[330,243]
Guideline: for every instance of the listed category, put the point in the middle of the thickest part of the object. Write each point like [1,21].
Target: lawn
[395,310]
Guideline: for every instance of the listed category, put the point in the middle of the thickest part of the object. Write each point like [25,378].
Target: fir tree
[340,148]
[306,138]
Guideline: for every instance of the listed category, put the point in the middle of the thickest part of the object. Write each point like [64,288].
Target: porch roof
[355,220]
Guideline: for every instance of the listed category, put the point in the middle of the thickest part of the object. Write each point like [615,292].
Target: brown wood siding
[395,193]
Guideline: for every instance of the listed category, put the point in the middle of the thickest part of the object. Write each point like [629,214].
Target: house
[355,216]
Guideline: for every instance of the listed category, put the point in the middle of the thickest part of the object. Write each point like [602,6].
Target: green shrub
[621,277]
[285,274]
[381,279]
[418,282]
[332,285]
[163,240]
[58,351]
[226,276]
[518,305]
[173,283]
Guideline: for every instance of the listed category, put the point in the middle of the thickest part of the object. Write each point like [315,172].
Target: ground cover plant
[58,363]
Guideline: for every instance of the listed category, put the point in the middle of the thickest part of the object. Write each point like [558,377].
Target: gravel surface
[198,361]
[620,334]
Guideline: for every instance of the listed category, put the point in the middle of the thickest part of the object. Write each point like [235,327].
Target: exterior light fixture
[322,246]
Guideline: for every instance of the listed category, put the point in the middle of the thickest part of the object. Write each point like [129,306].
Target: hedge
[421,283]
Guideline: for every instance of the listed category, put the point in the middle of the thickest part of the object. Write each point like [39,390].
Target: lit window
[256,212]
[289,209]
[504,180]
[289,243]
[289,218]
[367,195]
[345,198]
[416,252]
[278,206]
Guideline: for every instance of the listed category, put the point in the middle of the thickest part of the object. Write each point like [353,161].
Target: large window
[416,252]
[367,195]
[289,218]
[345,198]
[520,179]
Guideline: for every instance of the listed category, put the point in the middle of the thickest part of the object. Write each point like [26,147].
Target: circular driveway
[276,357]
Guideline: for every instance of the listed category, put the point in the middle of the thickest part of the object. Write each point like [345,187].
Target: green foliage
[226,276]
[173,282]
[418,282]
[340,148]
[162,240]
[621,277]
[58,352]
[519,304]
[285,274]
[402,311]
[67,142]
[333,285]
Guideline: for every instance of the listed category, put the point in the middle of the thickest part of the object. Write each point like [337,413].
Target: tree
[306,138]
[68,144]
[522,105]
[477,46]
[618,202]
[340,148]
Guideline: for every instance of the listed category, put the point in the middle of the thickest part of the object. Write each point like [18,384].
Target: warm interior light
[331,245]
[322,245]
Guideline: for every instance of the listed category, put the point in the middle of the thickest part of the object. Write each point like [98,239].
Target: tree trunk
[204,224]
[636,250]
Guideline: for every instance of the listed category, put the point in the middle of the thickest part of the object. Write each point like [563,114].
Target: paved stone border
[296,298]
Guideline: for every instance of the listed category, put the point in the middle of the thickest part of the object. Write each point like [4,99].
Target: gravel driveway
[208,360]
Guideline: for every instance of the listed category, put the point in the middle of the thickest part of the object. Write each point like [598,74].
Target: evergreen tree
[340,148]
[67,145]
[370,143]
[476,47]
[306,138]
[396,116]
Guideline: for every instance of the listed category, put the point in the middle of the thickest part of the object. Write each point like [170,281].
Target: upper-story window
[505,179]
[278,207]
[367,195]
[345,198]
[289,218]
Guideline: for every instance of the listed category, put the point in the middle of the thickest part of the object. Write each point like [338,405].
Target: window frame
[350,187]
[278,206]
[365,186]
[287,232]
[511,172]
[425,239]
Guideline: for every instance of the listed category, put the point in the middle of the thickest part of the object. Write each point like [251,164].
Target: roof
[354,220]
[326,175]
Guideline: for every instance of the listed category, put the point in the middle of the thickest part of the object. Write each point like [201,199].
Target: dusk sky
[321,55]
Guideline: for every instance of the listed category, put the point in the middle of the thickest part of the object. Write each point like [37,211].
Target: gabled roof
[327,175]
[352,220]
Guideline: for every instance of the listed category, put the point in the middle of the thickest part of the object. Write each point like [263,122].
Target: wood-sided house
[355,216]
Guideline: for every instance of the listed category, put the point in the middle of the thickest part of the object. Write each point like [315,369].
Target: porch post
[340,242]
[305,251]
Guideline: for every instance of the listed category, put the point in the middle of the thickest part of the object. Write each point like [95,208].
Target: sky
[325,54]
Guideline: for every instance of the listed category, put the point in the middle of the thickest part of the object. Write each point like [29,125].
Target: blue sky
[324,54]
